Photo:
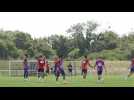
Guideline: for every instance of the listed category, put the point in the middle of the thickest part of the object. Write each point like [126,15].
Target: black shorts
[84,71]
[59,71]
[132,70]
[99,72]
[70,70]
[47,71]
[40,70]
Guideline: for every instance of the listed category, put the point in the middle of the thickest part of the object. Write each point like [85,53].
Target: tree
[41,46]
[60,44]
[90,35]
[77,34]
[110,40]
[3,50]
[74,53]
[22,40]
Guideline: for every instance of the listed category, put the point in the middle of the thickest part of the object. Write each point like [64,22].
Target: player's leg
[131,72]
[81,71]
[38,73]
[85,73]
[24,74]
[42,73]
[47,72]
[71,72]
[99,75]
[63,73]
[57,76]
[57,73]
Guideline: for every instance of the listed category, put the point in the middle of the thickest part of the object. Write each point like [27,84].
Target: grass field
[116,71]
[75,81]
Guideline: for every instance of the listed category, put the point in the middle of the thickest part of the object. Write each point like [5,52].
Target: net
[15,67]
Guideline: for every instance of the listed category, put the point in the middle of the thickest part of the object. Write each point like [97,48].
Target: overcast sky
[40,24]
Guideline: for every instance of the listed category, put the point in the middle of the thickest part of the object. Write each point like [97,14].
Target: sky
[40,24]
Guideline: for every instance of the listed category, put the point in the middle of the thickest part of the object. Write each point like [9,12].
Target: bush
[74,53]
[114,54]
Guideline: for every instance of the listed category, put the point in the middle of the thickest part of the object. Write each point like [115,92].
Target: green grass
[115,78]
[75,81]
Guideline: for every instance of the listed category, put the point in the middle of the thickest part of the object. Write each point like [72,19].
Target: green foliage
[82,40]
[74,53]
[114,54]
[60,44]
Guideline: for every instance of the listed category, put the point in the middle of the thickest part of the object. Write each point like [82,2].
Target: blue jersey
[25,63]
[100,65]
[62,64]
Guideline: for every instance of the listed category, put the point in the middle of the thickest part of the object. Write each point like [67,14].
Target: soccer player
[47,68]
[59,68]
[55,65]
[100,66]
[131,68]
[25,65]
[84,66]
[40,66]
[70,68]
[62,67]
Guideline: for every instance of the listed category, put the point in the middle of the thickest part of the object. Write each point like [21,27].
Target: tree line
[82,40]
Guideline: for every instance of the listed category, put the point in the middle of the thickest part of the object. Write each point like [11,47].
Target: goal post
[9,68]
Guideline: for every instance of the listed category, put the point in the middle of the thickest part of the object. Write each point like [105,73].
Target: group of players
[44,69]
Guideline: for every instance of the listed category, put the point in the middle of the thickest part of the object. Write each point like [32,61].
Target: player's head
[85,56]
[44,57]
[40,57]
[26,56]
[60,57]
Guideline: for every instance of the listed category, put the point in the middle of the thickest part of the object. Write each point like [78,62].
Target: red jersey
[132,62]
[41,63]
[85,64]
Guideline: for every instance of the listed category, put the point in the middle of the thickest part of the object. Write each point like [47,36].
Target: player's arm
[37,64]
[94,66]
[91,66]
[81,65]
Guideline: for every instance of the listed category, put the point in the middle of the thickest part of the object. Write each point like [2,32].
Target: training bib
[99,64]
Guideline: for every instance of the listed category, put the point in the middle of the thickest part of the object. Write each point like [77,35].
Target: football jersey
[85,64]
[25,64]
[41,63]
[100,64]
[132,62]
